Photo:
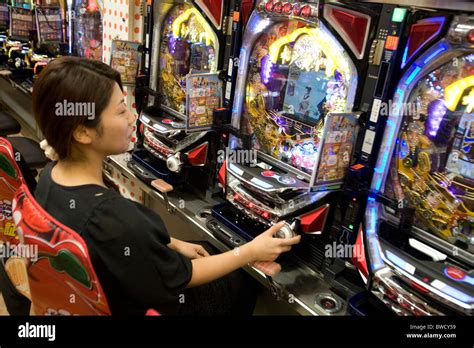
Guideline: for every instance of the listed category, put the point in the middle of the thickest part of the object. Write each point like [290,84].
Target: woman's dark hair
[71,80]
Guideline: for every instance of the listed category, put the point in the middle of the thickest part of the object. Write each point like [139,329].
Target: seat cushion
[30,150]
[8,124]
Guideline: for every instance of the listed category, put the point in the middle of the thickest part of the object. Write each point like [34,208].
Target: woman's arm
[190,250]
[207,269]
[173,244]
[263,248]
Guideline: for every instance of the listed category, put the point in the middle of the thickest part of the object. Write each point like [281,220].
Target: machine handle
[162,186]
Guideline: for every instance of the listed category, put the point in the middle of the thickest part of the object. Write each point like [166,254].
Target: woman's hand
[267,248]
[190,250]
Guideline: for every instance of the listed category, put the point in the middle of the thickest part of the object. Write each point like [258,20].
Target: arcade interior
[276,157]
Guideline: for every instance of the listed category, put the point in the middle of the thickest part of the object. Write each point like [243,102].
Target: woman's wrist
[173,244]
[247,252]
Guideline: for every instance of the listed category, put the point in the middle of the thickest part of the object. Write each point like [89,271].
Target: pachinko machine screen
[433,164]
[188,45]
[296,76]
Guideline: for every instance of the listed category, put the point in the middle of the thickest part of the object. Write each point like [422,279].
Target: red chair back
[61,276]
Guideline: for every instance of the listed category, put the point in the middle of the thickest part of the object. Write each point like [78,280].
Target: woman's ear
[82,135]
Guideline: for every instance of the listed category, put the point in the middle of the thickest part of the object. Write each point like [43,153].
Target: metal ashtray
[204,214]
[328,303]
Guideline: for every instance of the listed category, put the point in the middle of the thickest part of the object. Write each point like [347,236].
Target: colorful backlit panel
[188,45]
[296,76]
[433,165]
[87,30]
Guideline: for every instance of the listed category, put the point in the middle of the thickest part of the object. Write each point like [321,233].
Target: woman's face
[117,126]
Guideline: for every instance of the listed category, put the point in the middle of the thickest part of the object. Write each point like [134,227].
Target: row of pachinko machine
[32,33]
[353,121]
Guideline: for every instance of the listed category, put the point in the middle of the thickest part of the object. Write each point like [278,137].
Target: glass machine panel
[87,30]
[433,163]
[295,78]
[188,45]
[419,219]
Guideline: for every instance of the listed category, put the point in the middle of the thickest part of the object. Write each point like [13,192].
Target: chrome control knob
[174,163]
[287,231]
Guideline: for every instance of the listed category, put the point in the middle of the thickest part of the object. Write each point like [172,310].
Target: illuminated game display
[86,29]
[425,168]
[294,81]
[190,45]
[433,167]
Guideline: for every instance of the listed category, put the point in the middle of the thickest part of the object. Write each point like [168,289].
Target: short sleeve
[131,242]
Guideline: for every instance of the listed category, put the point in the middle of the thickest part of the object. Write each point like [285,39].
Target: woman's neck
[76,173]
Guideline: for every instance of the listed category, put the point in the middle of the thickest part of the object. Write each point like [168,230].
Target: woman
[138,264]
